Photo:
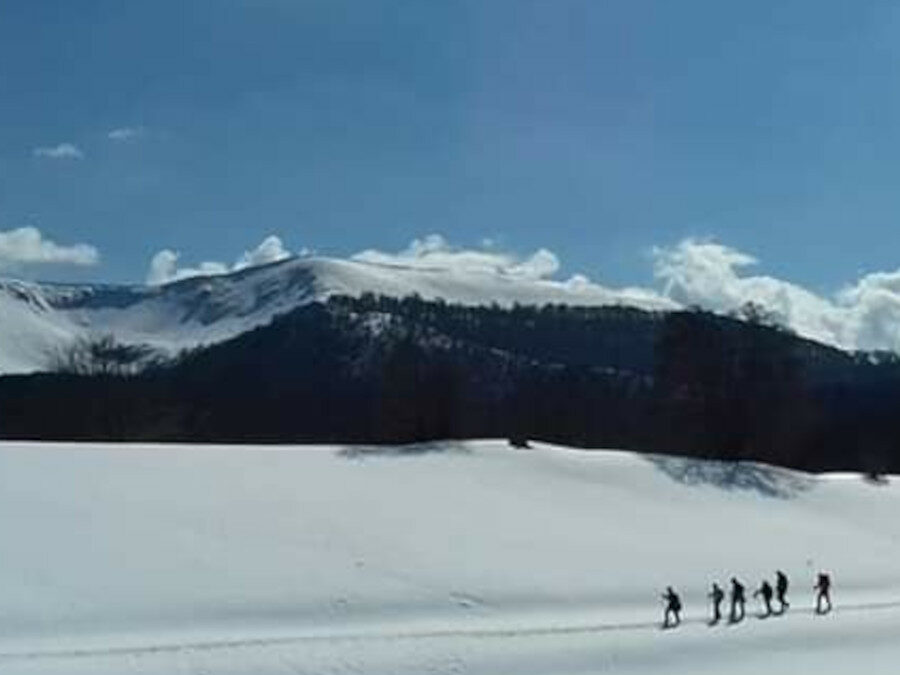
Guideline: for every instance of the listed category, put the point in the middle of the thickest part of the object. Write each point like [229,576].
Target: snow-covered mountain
[38,320]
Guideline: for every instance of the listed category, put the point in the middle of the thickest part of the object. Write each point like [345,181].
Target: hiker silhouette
[673,607]
[738,600]
[781,587]
[765,591]
[823,592]
[716,595]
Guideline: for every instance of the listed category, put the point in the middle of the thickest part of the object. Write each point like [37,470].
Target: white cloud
[269,251]
[872,309]
[435,252]
[865,315]
[61,151]
[27,246]
[164,267]
[125,134]
[539,265]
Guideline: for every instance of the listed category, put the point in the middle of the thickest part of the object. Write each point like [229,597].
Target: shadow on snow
[768,481]
[409,450]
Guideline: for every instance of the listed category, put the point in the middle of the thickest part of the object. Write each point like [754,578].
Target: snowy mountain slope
[30,330]
[37,320]
[446,558]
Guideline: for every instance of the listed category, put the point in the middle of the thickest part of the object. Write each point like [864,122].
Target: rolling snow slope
[443,558]
[37,320]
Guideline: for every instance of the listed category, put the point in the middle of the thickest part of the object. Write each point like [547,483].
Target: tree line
[387,370]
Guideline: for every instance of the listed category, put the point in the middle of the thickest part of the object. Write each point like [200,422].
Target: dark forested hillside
[376,369]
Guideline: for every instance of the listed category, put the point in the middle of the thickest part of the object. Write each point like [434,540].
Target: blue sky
[597,130]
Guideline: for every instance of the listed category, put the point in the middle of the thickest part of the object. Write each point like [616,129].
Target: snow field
[445,558]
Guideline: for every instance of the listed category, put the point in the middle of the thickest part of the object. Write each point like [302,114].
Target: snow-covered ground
[446,558]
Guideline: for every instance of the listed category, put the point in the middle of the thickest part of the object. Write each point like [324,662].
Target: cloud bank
[863,315]
[435,252]
[164,267]
[61,151]
[27,246]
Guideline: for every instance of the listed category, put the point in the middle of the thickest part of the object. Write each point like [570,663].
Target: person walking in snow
[781,587]
[823,592]
[673,607]
[738,600]
[765,591]
[716,595]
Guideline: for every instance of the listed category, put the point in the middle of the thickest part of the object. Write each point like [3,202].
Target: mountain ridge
[41,319]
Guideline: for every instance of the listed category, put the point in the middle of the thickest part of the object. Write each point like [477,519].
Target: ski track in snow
[401,635]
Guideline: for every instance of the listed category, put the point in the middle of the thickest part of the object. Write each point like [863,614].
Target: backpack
[675,603]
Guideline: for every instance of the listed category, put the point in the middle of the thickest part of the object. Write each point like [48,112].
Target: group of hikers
[672,614]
